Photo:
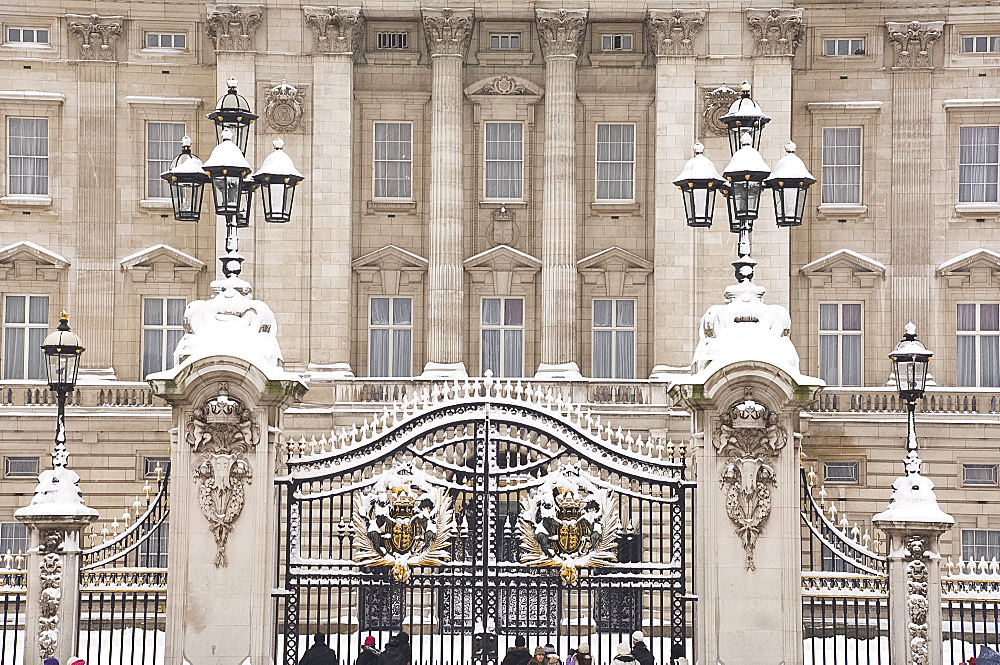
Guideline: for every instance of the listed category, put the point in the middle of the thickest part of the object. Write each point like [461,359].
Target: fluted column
[561,33]
[448,32]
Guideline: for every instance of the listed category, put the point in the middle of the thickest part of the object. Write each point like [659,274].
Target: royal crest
[402,521]
[569,523]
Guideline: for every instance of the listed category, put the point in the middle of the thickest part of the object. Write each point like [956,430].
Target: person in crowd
[571,658]
[319,653]
[554,659]
[397,650]
[624,656]
[582,656]
[540,657]
[369,652]
[640,651]
[517,654]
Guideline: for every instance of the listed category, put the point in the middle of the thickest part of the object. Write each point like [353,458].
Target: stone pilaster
[671,35]
[338,33]
[561,34]
[448,32]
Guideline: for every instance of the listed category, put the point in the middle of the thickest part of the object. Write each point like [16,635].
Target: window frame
[973,483]
[996,167]
[850,41]
[9,156]
[390,326]
[487,160]
[146,125]
[598,162]
[149,465]
[510,36]
[978,333]
[503,328]
[405,39]
[26,326]
[7,473]
[20,527]
[992,40]
[376,160]
[840,333]
[159,34]
[860,165]
[833,480]
[992,549]
[20,43]
[620,36]
[167,356]
[614,328]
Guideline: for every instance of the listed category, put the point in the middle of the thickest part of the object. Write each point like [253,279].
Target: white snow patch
[849,252]
[913,500]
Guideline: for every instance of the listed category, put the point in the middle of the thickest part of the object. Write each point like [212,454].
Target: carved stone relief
[283,107]
[672,32]
[502,229]
[448,31]
[336,29]
[95,36]
[221,433]
[561,31]
[50,591]
[717,103]
[917,576]
[234,27]
[504,85]
[775,31]
[911,42]
[750,437]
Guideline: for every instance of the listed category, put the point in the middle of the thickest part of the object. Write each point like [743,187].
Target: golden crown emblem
[567,500]
[401,497]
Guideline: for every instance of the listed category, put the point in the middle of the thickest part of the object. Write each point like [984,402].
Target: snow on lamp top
[746,162]
[227,155]
[278,166]
[913,500]
[790,167]
[698,168]
[745,110]
[57,495]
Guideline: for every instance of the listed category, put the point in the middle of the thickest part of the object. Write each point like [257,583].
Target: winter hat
[583,648]
[624,650]
[539,651]
[519,641]
[549,649]
[78,661]
[370,641]
[50,661]
[637,637]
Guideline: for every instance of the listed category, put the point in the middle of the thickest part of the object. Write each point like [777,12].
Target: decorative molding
[717,103]
[32,97]
[96,37]
[750,436]
[975,268]
[561,31]
[672,32]
[162,263]
[50,570]
[396,267]
[503,228]
[336,30]
[140,100]
[917,578]
[618,267]
[775,31]
[988,104]
[839,108]
[504,85]
[911,42]
[26,260]
[234,27]
[448,31]
[506,266]
[505,88]
[844,268]
[221,433]
[283,107]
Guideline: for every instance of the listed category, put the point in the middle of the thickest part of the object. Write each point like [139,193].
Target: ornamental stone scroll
[672,32]
[775,31]
[448,31]
[337,30]
[234,27]
[283,107]
[96,37]
[561,31]
[911,42]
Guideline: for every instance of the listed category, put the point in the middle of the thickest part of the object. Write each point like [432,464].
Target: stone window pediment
[617,268]
[505,88]
[844,268]
[394,266]
[26,260]
[978,267]
[162,263]
[507,266]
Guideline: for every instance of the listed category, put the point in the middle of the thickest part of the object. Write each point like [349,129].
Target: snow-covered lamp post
[913,523]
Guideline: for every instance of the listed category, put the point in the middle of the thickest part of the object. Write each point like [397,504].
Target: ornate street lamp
[910,359]
[744,117]
[790,182]
[244,211]
[745,174]
[227,168]
[698,182]
[62,349]
[233,113]
[278,177]
[186,179]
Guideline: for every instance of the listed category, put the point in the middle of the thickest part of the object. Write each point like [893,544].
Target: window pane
[989,361]
[989,317]
[38,309]
[491,311]
[378,352]
[966,317]
[14,309]
[491,351]
[401,342]
[513,313]
[13,353]
[36,357]
[175,311]
[380,311]
[965,352]
[173,337]
[625,354]
[602,354]
[152,40]
[851,360]
[152,311]
[180,41]
[513,353]
[625,312]
[828,359]
[852,316]
[152,351]
[402,311]
[828,316]
[602,313]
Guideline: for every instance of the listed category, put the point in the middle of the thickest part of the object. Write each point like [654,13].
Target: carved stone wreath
[283,107]
[221,433]
[751,438]
[402,521]
[569,523]
[717,103]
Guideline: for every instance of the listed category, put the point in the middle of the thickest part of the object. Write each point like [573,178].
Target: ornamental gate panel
[480,513]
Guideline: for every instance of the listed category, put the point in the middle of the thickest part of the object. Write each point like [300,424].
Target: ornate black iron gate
[482,512]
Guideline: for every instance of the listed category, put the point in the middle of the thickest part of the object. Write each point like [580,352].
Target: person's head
[370,641]
[320,638]
[404,637]
[583,648]
[624,650]
[549,648]
[637,637]
[519,641]
[553,659]
[539,654]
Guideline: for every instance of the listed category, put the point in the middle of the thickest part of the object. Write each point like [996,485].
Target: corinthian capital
[234,27]
[95,36]
[336,29]
[775,31]
[912,42]
[672,32]
[448,31]
[560,31]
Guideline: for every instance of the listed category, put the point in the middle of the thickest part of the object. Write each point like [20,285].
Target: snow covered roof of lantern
[279,163]
[746,159]
[913,500]
[698,167]
[227,153]
[790,167]
[746,107]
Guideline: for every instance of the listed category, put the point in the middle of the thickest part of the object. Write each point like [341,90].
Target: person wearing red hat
[369,652]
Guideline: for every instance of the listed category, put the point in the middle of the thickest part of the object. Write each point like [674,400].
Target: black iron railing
[13,596]
[970,608]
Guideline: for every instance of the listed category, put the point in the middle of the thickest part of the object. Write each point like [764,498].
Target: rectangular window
[981,44]
[977,164]
[28,155]
[616,42]
[390,336]
[841,165]
[13,537]
[163,143]
[25,325]
[977,346]
[20,467]
[614,339]
[27,36]
[162,328]
[166,40]
[393,160]
[841,472]
[504,160]
[502,336]
[153,550]
[840,343]
[149,465]
[843,47]
[979,474]
[615,162]
[391,40]
[505,41]
[980,544]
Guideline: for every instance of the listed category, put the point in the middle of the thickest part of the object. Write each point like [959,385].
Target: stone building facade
[489,187]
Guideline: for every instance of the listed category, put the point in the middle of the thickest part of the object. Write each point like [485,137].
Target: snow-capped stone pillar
[745,399]
[561,33]
[228,394]
[913,524]
[448,33]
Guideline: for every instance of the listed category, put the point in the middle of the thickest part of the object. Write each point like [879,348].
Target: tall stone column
[338,33]
[94,40]
[448,32]
[670,36]
[561,33]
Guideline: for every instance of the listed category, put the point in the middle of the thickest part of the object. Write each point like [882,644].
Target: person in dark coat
[319,653]
[583,656]
[517,654]
[640,651]
[369,652]
[397,650]
[624,656]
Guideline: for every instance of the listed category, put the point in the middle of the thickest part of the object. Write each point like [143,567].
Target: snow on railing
[967,580]
[886,399]
[106,394]
[12,571]
[849,585]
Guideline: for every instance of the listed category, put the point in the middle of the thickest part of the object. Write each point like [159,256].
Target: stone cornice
[911,42]
[336,30]
[775,31]
[561,31]
[95,37]
[234,27]
[672,32]
[448,31]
